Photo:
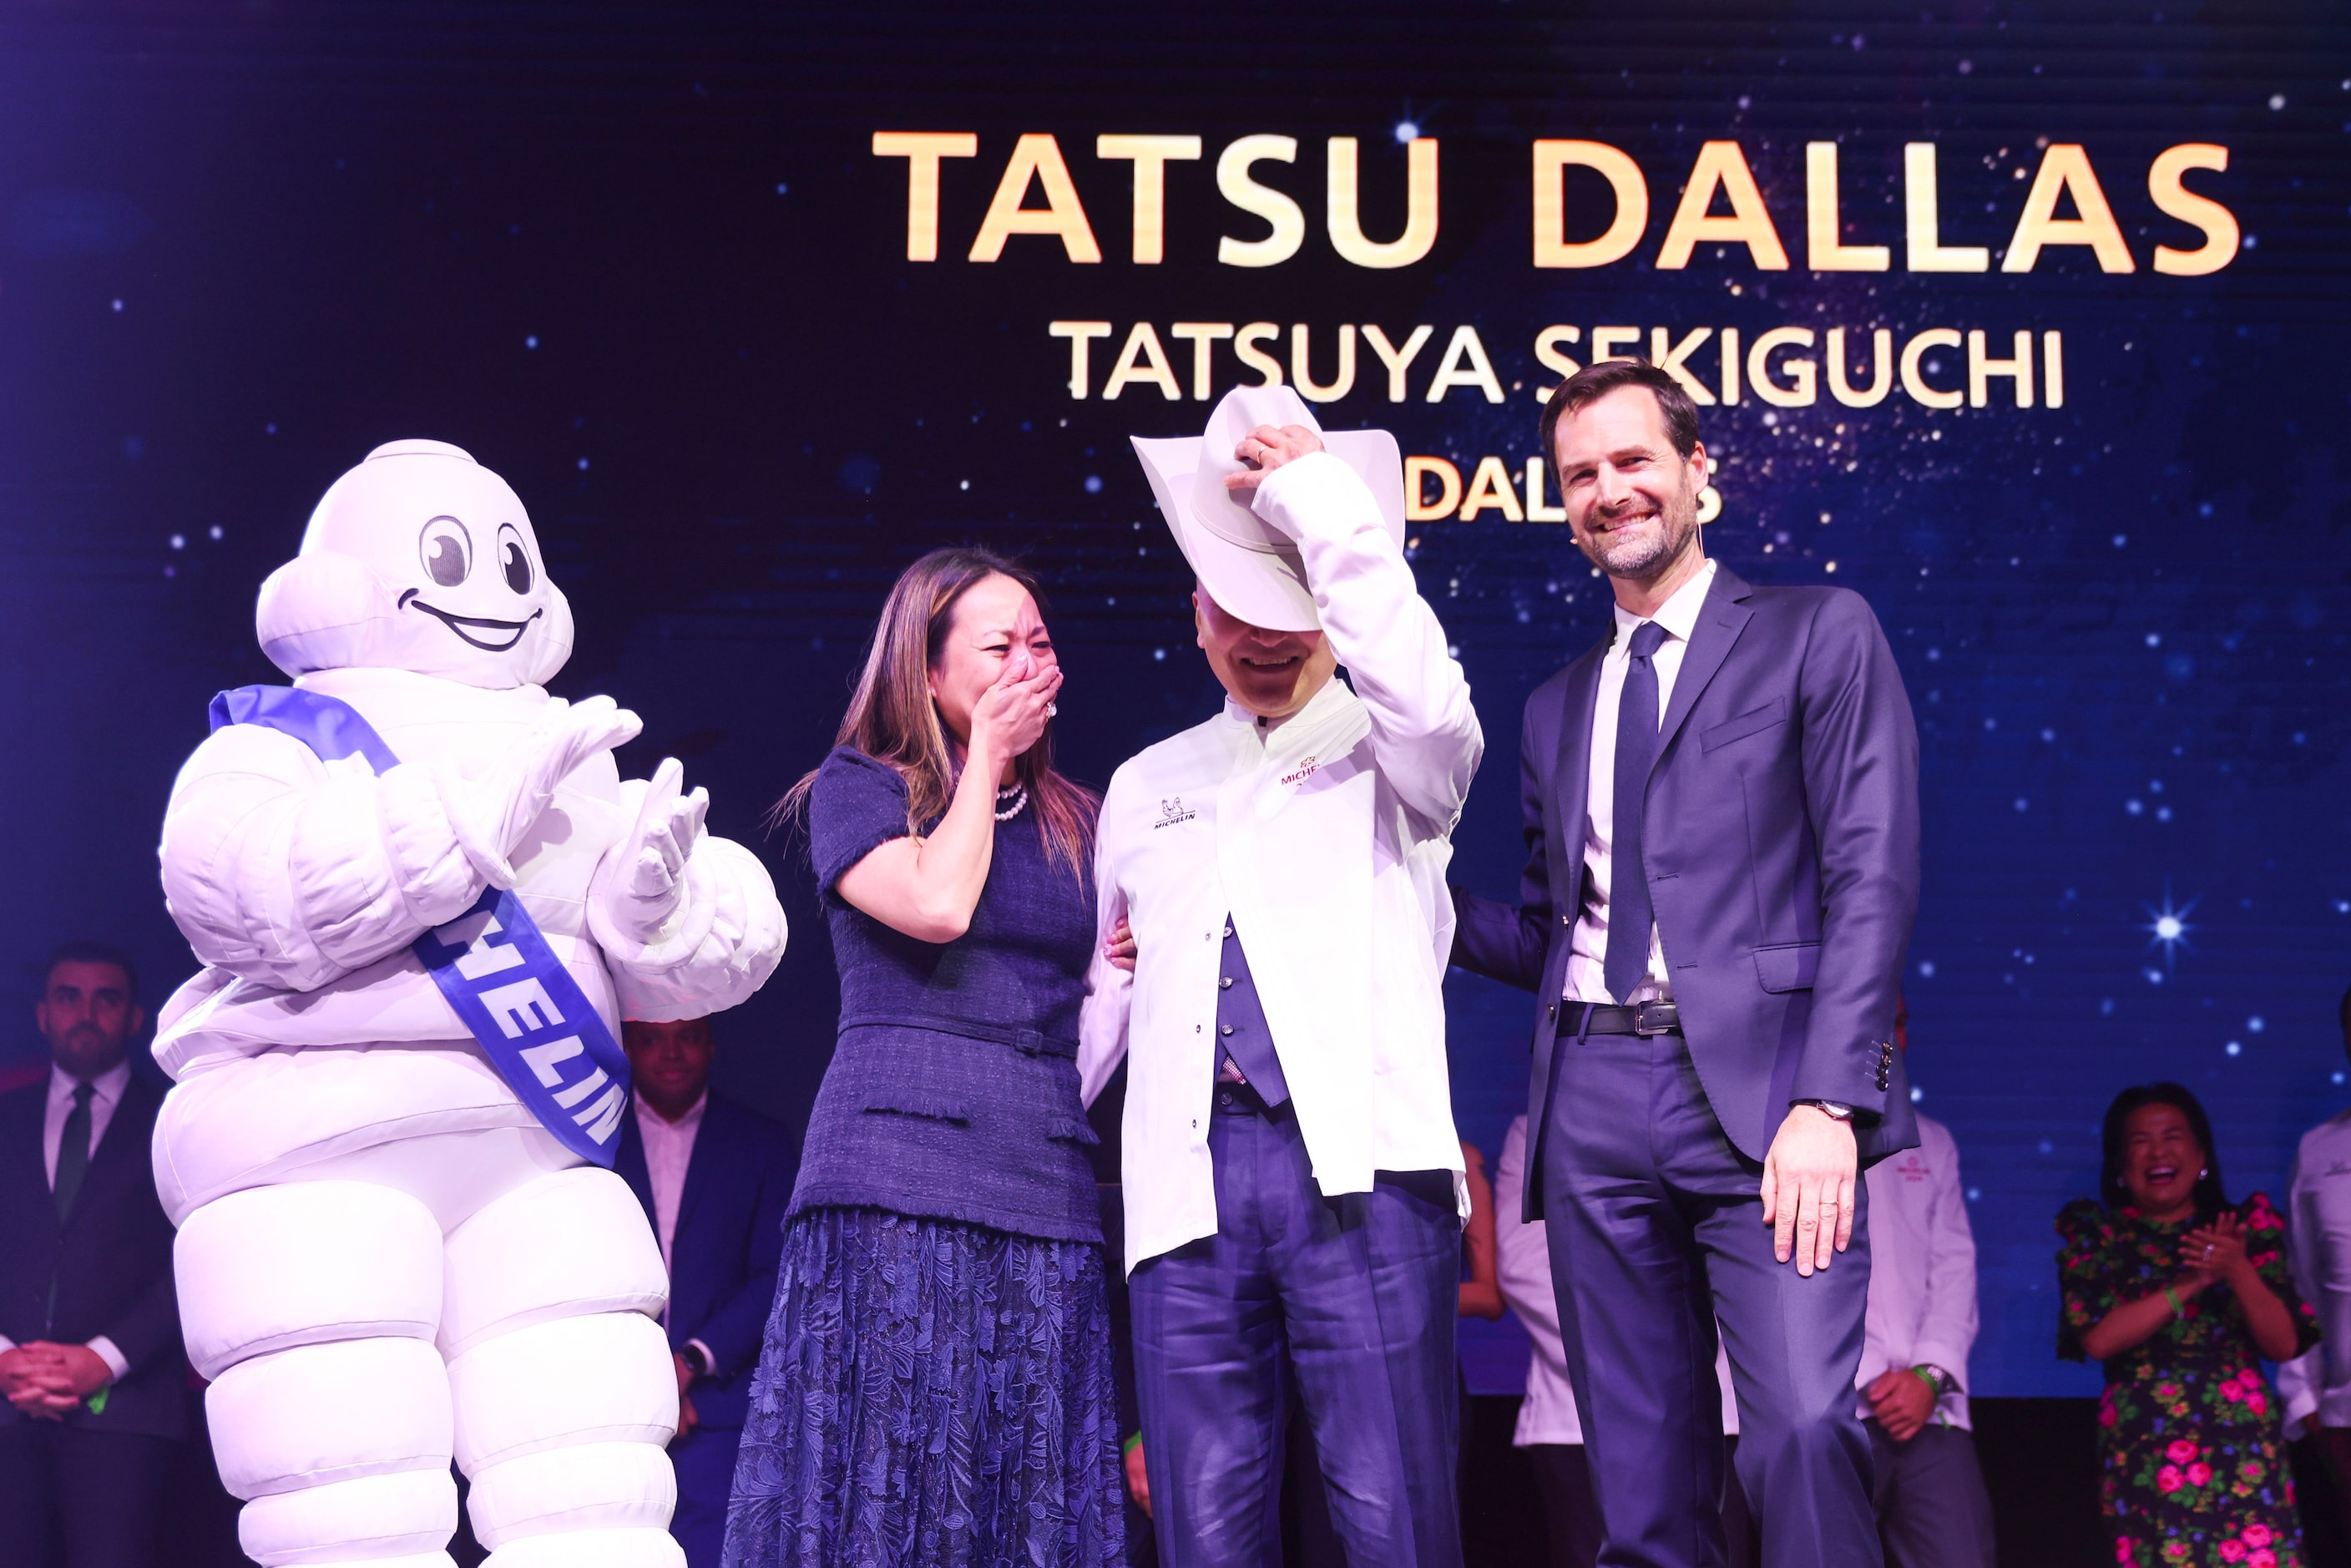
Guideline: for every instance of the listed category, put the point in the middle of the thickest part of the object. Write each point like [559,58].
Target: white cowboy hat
[1248,566]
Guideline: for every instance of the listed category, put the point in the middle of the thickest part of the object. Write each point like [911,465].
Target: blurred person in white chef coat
[2316,1384]
[1932,1509]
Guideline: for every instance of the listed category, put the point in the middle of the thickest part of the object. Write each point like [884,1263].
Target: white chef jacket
[106,1093]
[1326,839]
[1548,1415]
[1922,1270]
[1588,942]
[2318,1239]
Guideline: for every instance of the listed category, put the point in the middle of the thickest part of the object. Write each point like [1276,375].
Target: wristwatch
[1835,1109]
[696,1360]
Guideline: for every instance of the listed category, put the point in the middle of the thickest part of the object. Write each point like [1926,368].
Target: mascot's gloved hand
[493,812]
[650,903]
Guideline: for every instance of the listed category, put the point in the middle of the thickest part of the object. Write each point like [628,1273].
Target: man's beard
[86,1043]
[1645,555]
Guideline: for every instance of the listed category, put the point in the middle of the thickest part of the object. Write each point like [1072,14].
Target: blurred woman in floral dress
[2180,1295]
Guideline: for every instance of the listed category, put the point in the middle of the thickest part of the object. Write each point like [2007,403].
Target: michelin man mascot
[424,898]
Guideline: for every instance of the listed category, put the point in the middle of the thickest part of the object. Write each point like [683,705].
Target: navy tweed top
[953,1091]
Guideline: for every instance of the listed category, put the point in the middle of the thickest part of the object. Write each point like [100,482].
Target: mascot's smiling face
[419,559]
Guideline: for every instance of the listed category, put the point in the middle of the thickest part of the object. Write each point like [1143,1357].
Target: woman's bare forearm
[2271,1323]
[927,887]
[2131,1324]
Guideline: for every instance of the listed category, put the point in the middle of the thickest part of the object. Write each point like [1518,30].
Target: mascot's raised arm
[424,899]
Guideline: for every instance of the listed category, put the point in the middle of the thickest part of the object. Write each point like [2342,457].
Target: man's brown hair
[1593,383]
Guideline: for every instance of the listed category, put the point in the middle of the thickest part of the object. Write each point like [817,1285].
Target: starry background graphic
[643,263]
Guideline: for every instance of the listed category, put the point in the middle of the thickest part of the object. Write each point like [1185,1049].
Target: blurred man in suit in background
[89,1331]
[715,1178]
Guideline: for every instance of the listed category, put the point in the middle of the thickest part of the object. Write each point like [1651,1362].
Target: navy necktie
[1630,915]
[73,1152]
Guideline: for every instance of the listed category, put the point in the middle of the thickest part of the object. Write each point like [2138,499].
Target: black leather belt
[1641,1018]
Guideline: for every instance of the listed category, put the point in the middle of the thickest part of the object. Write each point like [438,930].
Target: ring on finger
[1052,709]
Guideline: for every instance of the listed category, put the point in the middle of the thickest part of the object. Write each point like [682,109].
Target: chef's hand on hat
[1265,449]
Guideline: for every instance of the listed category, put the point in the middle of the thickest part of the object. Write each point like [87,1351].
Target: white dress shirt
[1549,1412]
[669,1150]
[2318,1236]
[105,1094]
[1922,1270]
[1588,945]
[1326,838]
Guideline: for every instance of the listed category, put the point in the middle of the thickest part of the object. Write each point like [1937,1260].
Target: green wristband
[1130,1444]
[1921,1375]
[97,1402]
[2172,1296]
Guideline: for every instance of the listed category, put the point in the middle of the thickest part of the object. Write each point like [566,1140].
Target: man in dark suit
[1721,810]
[715,1179]
[90,1329]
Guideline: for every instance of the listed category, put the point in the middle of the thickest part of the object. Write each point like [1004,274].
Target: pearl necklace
[1017,794]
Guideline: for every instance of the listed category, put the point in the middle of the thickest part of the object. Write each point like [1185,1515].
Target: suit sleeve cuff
[709,1360]
[116,1362]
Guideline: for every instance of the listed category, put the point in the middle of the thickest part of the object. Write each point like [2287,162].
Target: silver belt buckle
[1655,1018]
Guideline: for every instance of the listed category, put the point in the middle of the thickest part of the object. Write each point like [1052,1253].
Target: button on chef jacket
[1326,838]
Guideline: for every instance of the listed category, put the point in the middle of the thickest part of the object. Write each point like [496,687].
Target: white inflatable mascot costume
[425,898]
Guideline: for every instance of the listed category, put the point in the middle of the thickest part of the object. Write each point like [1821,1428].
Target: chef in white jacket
[1293,1177]
[424,899]
[2315,1386]
[1933,1511]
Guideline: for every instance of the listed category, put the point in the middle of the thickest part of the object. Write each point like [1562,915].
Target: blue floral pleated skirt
[931,1395]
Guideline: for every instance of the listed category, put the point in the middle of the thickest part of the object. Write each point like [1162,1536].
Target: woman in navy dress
[935,1386]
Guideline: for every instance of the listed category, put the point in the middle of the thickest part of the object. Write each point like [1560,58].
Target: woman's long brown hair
[892,720]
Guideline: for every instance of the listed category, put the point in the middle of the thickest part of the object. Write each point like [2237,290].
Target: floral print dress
[2191,1457]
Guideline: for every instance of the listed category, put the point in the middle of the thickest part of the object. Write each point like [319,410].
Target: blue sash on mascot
[492,963]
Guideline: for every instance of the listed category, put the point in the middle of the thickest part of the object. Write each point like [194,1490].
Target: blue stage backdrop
[2029,323]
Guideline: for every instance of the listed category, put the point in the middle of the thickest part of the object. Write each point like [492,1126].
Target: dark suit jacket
[1781,837]
[111,1257]
[729,1240]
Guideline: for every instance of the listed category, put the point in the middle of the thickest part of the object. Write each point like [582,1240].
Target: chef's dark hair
[94,953]
[2210,1199]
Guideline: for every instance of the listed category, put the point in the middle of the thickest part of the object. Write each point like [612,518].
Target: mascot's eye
[512,558]
[448,553]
